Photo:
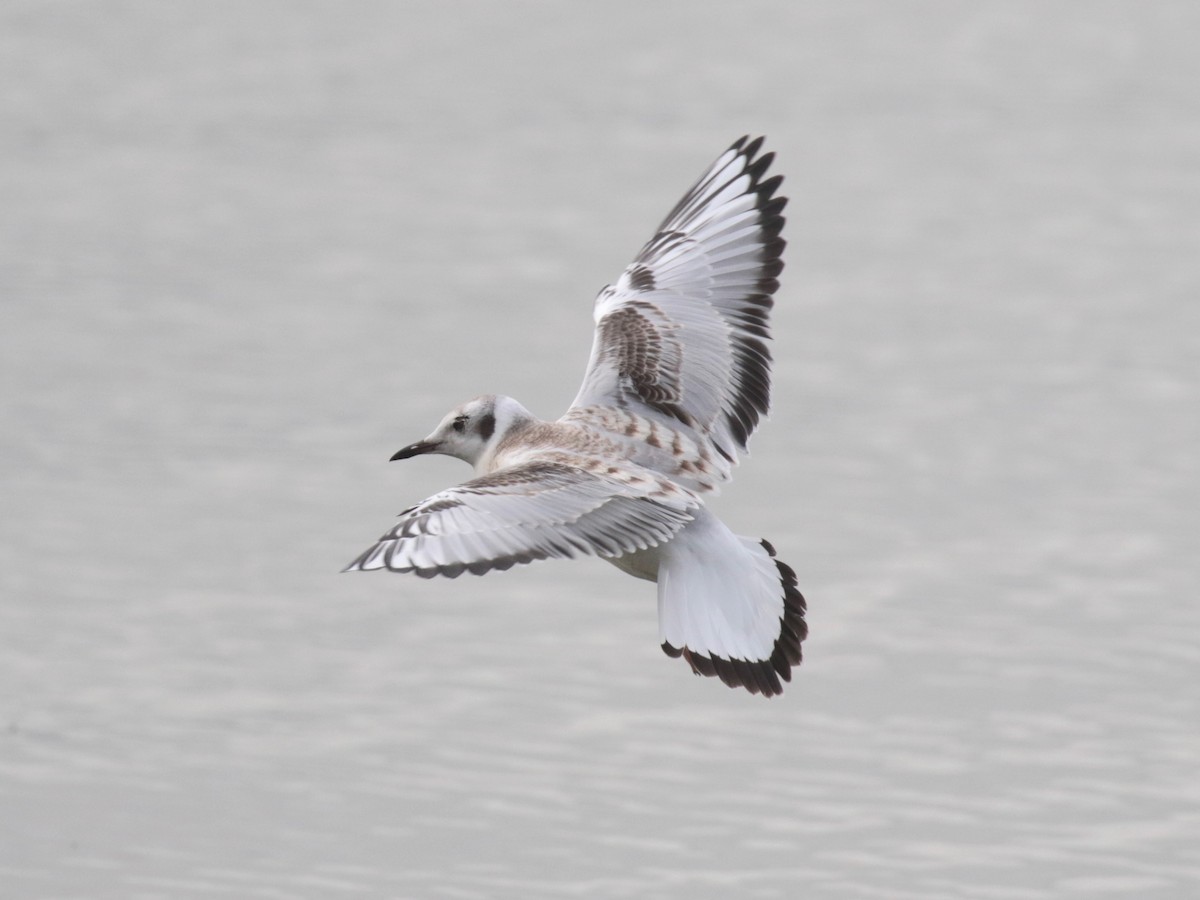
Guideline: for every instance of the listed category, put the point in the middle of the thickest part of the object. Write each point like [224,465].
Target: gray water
[249,250]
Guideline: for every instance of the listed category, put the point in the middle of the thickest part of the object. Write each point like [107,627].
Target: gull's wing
[681,337]
[533,511]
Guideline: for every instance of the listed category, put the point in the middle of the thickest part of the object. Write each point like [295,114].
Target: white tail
[729,607]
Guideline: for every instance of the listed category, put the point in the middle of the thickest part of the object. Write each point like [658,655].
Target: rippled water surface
[247,251]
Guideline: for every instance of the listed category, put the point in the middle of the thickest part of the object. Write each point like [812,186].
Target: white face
[464,433]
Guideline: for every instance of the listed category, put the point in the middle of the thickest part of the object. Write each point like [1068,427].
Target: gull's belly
[639,563]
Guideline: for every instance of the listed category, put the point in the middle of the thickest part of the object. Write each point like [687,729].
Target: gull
[678,379]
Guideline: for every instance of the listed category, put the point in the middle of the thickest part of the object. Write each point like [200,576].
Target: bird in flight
[678,379]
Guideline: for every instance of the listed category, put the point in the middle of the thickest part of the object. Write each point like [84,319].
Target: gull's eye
[459,424]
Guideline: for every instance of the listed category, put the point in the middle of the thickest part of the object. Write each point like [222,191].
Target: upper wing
[681,336]
[527,512]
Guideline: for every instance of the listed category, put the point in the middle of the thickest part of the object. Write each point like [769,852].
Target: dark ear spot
[487,426]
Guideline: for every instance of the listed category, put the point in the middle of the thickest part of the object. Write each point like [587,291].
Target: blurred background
[249,250]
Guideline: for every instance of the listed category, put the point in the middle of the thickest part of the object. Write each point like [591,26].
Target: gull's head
[469,431]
